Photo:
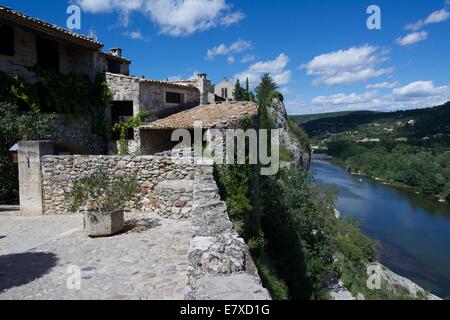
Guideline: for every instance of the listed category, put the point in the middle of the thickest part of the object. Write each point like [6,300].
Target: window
[47,54]
[113,66]
[173,97]
[6,40]
[120,110]
[226,93]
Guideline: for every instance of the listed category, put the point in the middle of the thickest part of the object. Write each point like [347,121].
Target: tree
[265,88]
[239,93]
[14,127]
[247,89]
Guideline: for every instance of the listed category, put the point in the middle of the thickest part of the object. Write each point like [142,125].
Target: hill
[409,148]
[311,117]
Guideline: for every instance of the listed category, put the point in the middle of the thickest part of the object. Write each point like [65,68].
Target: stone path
[39,256]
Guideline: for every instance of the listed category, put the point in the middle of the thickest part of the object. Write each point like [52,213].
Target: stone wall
[75,136]
[220,264]
[59,173]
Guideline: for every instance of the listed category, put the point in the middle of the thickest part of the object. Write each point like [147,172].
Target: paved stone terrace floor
[148,262]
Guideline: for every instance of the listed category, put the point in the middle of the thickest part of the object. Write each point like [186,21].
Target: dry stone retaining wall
[59,173]
[220,264]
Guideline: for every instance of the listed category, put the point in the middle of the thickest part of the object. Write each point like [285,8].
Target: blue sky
[320,51]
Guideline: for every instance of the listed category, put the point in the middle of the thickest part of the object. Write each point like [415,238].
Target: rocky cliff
[278,115]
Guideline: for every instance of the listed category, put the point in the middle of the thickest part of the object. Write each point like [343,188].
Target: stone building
[28,42]
[224,89]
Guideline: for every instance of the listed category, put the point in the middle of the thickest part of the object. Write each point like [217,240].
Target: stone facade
[71,58]
[59,174]
[150,96]
[76,137]
[75,53]
[224,90]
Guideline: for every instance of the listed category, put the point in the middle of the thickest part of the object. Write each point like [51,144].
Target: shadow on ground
[19,269]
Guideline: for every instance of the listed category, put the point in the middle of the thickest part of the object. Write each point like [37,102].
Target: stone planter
[103,224]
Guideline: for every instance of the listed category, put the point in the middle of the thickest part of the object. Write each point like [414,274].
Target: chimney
[116,52]
[203,85]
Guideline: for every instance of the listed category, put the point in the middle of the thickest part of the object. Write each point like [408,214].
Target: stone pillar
[30,176]
[203,85]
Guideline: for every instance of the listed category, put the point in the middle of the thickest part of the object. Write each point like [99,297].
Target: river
[413,230]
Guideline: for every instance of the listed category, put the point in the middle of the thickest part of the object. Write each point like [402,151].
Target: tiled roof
[220,115]
[111,56]
[144,80]
[21,19]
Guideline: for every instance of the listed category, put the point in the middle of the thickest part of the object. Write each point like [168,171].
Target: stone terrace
[149,262]
[163,254]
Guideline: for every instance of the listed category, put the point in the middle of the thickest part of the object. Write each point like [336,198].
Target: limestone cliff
[278,115]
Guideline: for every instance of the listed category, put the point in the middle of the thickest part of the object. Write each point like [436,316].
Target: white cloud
[175,17]
[135,35]
[356,64]
[412,38]
[344,99]
[222,49]
[420,89]
[419,94]
[382,85]
[231,60]
[276,67]
[273,66]
[248,58]
[435,17]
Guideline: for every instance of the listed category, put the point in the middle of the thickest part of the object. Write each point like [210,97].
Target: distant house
[224,89]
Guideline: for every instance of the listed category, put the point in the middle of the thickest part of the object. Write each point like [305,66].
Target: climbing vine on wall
[74,95]
[123,127]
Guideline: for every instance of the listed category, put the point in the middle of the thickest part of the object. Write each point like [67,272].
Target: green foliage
[234,186]
[417,156]
[72,94]
[276,95]
[277,287]
[124,126]
[300,134]
[299,234]
[286,155]
[100,194]
[16,126]
[239,93]
[265,88]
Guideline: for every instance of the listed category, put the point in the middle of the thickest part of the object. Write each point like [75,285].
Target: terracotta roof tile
[50,29]
[220,115]
[165,83]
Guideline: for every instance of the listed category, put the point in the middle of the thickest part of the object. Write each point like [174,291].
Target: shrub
[100,194]
[300,134]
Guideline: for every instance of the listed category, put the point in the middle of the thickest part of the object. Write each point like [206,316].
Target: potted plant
[103,202]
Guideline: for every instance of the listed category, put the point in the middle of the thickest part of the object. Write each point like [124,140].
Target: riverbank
[338,162]
[389,281]
[412,230]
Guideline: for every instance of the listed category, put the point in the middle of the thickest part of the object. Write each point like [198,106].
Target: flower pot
[103,224]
